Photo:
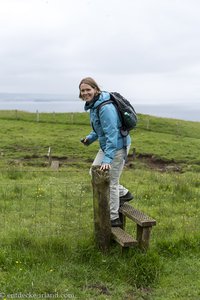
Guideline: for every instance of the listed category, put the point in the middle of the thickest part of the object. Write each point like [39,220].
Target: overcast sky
[149,49]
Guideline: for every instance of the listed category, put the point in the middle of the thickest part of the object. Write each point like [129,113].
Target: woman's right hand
[84,141]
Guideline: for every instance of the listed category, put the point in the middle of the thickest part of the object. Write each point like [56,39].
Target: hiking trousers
[116,190]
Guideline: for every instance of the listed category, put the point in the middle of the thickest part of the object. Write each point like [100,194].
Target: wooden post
[101,206]
[148,124]
[49,155]
[54,117]
[123,220]
[16,114]
[37,116]
[134,153]
[55,165]
[143,237]
[72,118]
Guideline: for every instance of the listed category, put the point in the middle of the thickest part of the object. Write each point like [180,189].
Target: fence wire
[46,210]
[65,209]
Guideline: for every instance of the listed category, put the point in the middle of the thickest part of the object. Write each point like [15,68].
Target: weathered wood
[55,165]
[122,237]
[137,216]
[144,224]
[122,219]
[49,156]
[101,206]
[102,227]
[143,236]
[134,153]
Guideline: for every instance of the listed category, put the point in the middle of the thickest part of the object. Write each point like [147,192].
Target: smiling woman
[88,89]
[113,146]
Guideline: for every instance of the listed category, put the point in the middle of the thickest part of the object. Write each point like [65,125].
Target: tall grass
[46,216]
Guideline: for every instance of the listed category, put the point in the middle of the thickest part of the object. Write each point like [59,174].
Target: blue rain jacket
[106,127]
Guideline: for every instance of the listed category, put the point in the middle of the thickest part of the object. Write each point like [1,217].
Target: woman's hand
[105,167]
[85,141]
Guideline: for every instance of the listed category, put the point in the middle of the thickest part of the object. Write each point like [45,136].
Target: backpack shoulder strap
[102,104]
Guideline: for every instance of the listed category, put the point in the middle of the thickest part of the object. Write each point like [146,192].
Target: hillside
[46,215]
[26,135]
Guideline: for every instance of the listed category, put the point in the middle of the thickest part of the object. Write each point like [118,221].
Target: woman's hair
[90,81]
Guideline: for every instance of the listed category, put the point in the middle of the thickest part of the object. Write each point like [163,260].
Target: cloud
[150,48]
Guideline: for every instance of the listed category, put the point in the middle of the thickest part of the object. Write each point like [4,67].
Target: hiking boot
[116,223]
[126,198]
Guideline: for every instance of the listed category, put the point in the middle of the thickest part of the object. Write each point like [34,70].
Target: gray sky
[149,49]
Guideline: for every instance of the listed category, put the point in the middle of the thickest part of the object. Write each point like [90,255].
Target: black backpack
[125,110]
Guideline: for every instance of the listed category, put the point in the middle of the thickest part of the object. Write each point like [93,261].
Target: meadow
[46,224]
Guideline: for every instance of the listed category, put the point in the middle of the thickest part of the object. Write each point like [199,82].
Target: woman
[111,156]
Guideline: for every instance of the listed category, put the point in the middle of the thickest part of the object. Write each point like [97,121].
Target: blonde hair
[90,81]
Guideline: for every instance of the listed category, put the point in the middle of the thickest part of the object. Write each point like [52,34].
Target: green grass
[46,216]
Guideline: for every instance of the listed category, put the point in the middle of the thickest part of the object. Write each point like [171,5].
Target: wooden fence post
[148,124]
[101,206]
[49,155]
[143,237]
[37,116]
[16,114]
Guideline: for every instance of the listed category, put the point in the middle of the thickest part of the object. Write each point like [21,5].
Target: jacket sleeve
[109,123]
[92,137]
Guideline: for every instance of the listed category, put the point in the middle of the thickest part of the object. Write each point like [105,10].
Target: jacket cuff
[107,160]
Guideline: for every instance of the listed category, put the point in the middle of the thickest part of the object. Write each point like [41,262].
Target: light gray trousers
[116,190]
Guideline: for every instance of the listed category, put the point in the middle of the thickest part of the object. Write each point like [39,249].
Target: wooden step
[137,216]
[122,237]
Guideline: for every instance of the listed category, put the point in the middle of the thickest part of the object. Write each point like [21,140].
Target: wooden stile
[102,226]
[101,206]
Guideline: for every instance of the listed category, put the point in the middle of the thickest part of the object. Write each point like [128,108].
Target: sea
[71,103]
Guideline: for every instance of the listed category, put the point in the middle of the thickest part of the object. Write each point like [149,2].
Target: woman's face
[87,92]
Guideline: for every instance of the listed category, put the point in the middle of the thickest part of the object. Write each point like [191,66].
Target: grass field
[46,224]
